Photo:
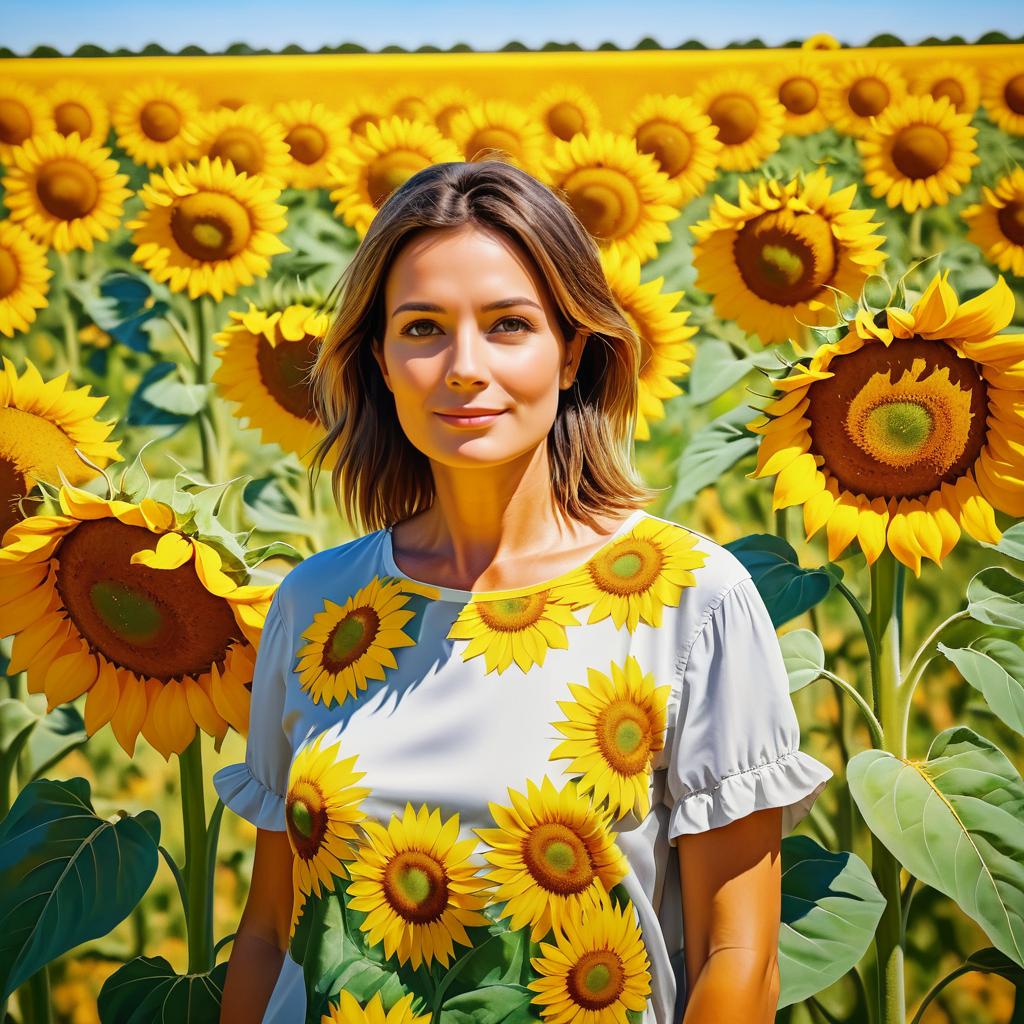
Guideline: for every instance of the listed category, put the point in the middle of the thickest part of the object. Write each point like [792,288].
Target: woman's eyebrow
[431,307]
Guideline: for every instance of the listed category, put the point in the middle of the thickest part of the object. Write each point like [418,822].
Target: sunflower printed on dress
[906,430]
[348,1011]
[551,849]
[614,728]
[416,884]
[354,642]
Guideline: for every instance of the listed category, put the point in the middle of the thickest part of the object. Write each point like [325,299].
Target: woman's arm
[731,879]
[259,948]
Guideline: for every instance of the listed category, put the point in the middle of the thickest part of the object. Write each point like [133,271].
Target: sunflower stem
[199,919]
[67,315]
[874,726]
[865,625]
[215,466]
[914,243]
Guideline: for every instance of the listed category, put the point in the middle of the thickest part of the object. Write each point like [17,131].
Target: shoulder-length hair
[378,474]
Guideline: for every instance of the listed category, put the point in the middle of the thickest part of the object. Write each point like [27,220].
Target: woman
[521,703]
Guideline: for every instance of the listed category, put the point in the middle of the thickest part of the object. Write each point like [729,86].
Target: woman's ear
[573,354]
[377,350]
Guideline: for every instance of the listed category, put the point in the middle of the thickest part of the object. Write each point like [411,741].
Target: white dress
[448,700]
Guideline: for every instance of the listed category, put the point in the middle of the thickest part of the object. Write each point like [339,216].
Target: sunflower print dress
[483,790]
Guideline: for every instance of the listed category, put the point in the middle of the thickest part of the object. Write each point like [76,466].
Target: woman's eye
[414,324]
[527,326]
[522,324]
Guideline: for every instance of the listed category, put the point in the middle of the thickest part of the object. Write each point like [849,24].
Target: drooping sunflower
[919,152]
[552,851]
[77,107]
[564,110]
[631,579]
[110,598]
[771,261]
[207,228]
[614,728]
[596,971]
[667,354]
[861,90]
[682,140]
[323,813]
[314,135]
[150,119]
[496,130]
[444,103]
[348,1011]
[351,643]
[958,82]
[996,225]
[799,87]
[41,425]
[1003,96]
[748,118]
[250,138]
[619,194]
[390,152]
[906,430]
[24,114]
[415,882]
[265,357]
[64,191]
[24,278]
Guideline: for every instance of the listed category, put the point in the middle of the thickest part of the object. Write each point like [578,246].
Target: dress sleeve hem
[249,798]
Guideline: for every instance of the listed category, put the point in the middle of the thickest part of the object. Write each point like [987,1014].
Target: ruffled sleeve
[736,744]
[256,788]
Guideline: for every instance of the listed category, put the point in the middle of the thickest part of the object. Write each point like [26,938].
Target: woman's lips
[472,420]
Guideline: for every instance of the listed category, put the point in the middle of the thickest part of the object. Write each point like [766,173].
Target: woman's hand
[731,879]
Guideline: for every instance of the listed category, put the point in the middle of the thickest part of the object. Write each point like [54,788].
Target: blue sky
[66,24]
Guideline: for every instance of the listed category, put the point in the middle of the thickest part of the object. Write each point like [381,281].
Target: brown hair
[383,477]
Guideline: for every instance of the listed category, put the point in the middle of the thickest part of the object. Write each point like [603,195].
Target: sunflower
[375,164]
[64,191]
[1003,96]
[314,135]
[444,103]
[264,361]
[551,851]
[861,90]
[748,118]
[619,194]
[597,971]
[799,86]
[634,576]
[919,152]
[666,354]
[996,225]
[407,101]
[360,111]
[499,130]
[772,261]
[351,643]
[348,1011]
[41,425]
[905,431]
[821,41]
[417,887]
[24,278]
[150,120]
[77,107]
[110,598]
[207,228]
[682,140]
[565,110]
[23,115]
[614,728]
[249,139]
[322,813]
[958,82]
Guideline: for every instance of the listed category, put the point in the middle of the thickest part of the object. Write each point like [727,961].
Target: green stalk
[884,616]
[71,347]
[34,998]
[199,913]
[213,412]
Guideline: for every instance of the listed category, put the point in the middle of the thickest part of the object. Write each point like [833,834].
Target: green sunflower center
[512,614]
[126,610]
[301,818]
[558,859]
[1011,222]
[306,817]
[868,96]
[605,201]
[667,143]
[66,188]
[210,226]
[735,117]
[1013,93]
[630,566]
[241,147]
[920,150]
[350,638]
[284,369]
[416,886]
[15,121]
[798,95]
[160,120]
[596,980]
[900,426]
[390,171]
[951,89]
[72,117]
[565,120]
[306,143]
[623,735]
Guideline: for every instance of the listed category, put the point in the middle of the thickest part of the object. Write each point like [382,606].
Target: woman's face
[469,325]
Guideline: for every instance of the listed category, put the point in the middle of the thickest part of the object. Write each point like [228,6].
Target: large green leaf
[996,668]
[496,1004]
[996,597]
[713,451]
[830,910]
[66,875]
[955,821]
[804,655]
[147,991]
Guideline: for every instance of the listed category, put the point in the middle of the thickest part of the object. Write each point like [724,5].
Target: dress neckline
[455,594]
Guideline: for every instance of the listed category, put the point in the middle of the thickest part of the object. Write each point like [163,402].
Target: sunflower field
[822,251]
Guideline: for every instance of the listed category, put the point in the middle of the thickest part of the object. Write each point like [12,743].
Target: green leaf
[147,991]
[713,451]
[956,822]
[804,656]
[173,395]
[831,907]
[270,509]
[497,1004]
[66,875]
[994,667]
[996,597]
[56,734]
[277,549]
[1011,542]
